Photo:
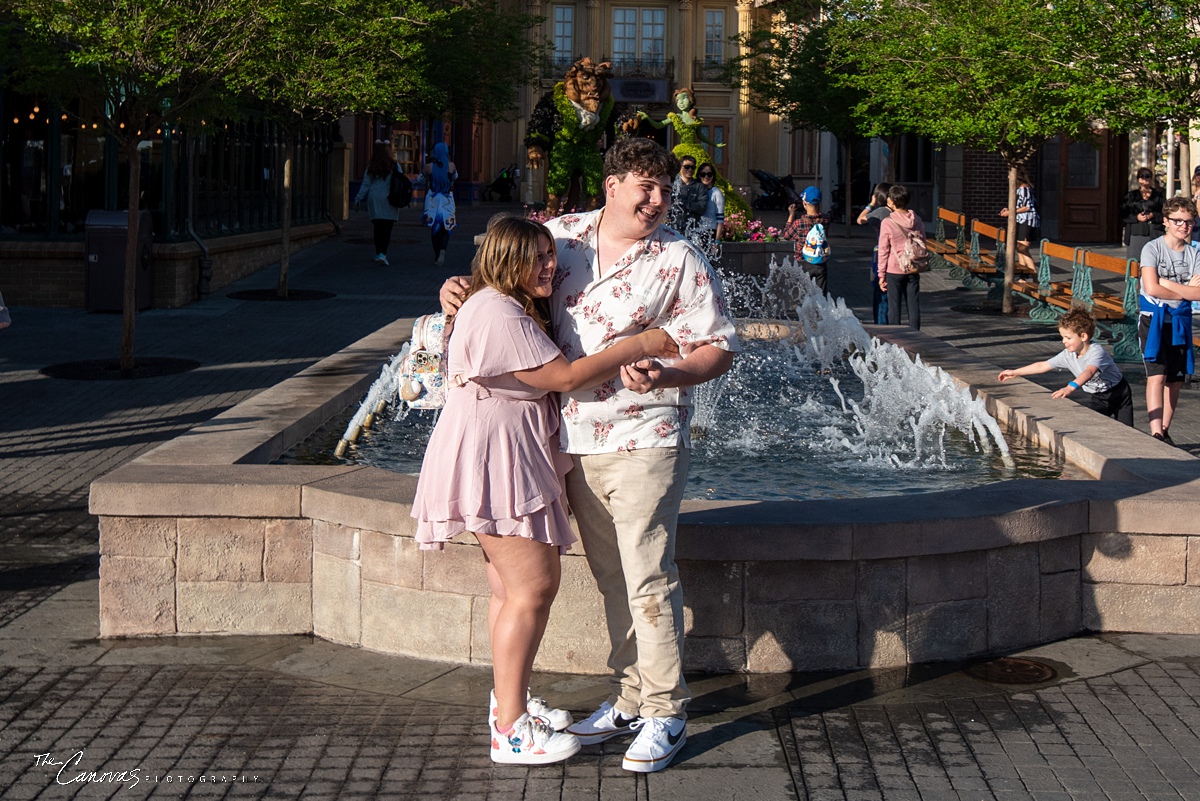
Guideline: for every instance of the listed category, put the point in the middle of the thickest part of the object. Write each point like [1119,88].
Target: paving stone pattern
[1130,735]
[1127,734]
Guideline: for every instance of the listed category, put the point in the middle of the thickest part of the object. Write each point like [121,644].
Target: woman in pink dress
[492,466]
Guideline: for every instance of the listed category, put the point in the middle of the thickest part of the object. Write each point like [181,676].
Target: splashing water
[795,380]
[814,407]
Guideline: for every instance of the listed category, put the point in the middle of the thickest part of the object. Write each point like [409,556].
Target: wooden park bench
[938,247]
[1049,298]
[1116,312]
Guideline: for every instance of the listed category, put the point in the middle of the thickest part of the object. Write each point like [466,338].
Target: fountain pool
[874,424]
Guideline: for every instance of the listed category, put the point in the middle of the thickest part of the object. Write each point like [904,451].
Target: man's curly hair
[641,156]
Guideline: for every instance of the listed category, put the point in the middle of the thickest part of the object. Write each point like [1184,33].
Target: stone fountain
[203,535]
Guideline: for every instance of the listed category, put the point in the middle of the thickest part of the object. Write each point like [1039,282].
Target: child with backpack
[902,257]
[1095,371]
[810,231]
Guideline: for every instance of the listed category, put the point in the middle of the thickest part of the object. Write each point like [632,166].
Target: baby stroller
[502,188]
[775,192]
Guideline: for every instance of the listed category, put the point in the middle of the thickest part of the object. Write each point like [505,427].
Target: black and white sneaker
[603,724]
[657,743]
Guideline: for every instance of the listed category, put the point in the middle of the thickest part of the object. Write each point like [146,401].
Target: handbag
[422,382]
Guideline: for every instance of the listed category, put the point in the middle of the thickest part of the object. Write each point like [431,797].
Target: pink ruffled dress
[492,465]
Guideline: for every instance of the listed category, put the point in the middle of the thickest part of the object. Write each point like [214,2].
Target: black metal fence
[56,165]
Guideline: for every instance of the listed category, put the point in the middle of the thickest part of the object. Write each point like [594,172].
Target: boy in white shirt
[1094,369]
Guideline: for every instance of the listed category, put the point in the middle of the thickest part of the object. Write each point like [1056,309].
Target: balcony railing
[553,69]
[708,70]
[643,68]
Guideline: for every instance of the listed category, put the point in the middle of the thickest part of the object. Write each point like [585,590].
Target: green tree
[787,69]
[403,58]
[1001,76]
[145,63]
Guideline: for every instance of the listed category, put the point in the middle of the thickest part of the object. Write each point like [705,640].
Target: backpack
[816,246]
[915,257]
[422,379]
[400,190]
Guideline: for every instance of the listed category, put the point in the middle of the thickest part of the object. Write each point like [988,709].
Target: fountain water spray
[385,390]
[814,407]
[906,410]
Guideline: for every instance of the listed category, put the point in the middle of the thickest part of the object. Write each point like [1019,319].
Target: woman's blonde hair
[508,255]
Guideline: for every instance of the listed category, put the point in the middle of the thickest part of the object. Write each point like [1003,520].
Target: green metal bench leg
[968,278]
[1124,343]
[1042,312]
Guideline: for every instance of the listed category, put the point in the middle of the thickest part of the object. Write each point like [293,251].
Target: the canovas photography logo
[72,770]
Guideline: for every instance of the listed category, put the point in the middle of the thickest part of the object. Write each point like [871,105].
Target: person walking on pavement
[377,182]
[621,271]
[893,239]
[873,214]
[1141,211]
[1029,222]
[1170,279]
[439,214]
[797,229]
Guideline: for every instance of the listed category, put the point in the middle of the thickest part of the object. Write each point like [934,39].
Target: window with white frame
[714,37]
[639,34]
[564,33]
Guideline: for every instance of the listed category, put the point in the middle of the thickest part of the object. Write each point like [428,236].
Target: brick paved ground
[289,717]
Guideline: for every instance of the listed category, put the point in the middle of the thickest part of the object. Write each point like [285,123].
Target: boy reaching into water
[1094,369]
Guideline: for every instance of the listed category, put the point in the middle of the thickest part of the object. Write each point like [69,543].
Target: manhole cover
[269,294]
[1012,670]
[110,369]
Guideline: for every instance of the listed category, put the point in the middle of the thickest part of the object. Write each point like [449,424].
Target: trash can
[104,239]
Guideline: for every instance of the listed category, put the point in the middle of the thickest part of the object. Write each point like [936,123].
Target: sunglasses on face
[706,174]
[688,167]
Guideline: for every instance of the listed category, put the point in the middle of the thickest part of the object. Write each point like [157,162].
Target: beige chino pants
[627,508]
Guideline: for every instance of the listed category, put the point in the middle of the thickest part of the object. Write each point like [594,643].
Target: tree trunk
[129,307]
[1010,252]
[285,234]
[849,172]
[1185,160]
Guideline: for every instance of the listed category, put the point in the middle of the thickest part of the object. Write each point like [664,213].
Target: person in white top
[620,272]
[1170,279]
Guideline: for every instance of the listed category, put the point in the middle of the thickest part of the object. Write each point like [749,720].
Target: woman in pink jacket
[893,238]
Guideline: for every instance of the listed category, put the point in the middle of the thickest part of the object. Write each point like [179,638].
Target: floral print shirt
[662,281]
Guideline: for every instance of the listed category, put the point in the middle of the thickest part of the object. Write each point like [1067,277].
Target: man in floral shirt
[620,272]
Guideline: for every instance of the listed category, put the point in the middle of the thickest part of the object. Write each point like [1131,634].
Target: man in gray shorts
[1170,281]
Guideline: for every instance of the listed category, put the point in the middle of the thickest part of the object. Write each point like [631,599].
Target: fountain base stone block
[203,535]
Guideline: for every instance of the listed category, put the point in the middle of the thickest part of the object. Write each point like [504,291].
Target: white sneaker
[657,743]
[383,259]
[604,724]
[536,706]
[531,741]
[441,257]
[378,258]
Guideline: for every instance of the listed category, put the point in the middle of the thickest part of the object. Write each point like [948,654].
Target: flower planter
[753,258]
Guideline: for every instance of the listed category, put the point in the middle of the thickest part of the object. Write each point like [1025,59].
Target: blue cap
[811,195]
